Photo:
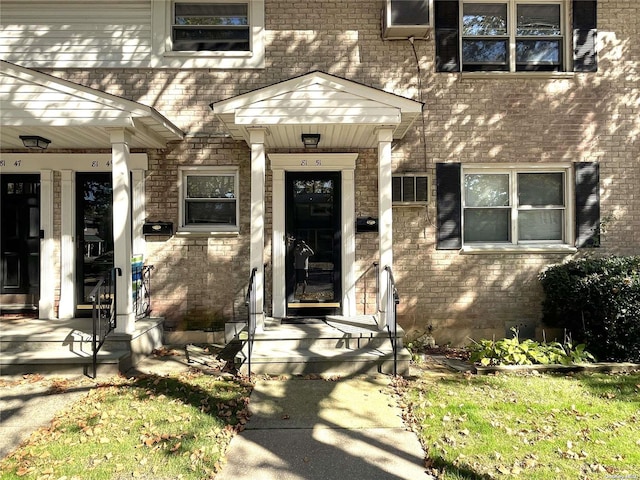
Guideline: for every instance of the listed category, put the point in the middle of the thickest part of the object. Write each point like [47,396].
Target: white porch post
[348,242]
[279,243]
[385,215]
[47,283]
[67,248]
[258,162]
[122,243]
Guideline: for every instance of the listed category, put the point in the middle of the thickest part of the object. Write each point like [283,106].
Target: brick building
[465,144]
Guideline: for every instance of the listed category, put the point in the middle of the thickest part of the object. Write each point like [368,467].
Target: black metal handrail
[141,277]
[391,302]
[103,312]
[251,303]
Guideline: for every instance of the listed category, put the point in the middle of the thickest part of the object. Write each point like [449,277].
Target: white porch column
[348,243]
[122,242]
[279,244]
[385,214]
[256,260]
[67,247]
[47,280]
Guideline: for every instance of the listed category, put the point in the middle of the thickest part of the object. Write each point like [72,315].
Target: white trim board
[345,163]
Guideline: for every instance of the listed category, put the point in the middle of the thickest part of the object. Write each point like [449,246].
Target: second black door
[314,253]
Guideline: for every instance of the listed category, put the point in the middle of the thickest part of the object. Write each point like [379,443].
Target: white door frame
[345,163]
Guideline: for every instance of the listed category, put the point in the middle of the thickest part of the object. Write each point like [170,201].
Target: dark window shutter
[446,17]
[585,58]
[587,204]
[449,204]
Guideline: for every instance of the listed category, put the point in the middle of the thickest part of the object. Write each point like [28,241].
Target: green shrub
[512,351]
[598,300]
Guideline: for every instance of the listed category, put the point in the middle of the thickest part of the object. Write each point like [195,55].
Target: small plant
[512,351]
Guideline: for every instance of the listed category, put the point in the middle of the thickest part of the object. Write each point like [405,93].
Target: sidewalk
[324,430]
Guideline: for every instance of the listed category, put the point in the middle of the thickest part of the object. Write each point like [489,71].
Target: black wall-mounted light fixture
[310,140]
[35,141]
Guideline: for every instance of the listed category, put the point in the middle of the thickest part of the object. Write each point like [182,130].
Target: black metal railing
[103,312]
[251,303]
[390,303]
[141,277]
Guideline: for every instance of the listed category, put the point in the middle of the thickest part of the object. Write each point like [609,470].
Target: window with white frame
[209,200]
[209,33]
[210,27]
[515,206]
[513,35]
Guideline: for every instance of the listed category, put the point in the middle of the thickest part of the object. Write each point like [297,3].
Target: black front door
[20,240]
[94,234]
[313,264]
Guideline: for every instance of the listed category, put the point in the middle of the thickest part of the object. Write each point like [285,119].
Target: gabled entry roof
[345,113]
[72,115]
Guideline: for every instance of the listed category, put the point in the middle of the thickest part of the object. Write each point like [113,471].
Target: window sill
[492,249]
[517,75]
[185,233]
[410,204]
[208,54]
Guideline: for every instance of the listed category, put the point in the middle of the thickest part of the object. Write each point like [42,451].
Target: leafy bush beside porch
[598,301]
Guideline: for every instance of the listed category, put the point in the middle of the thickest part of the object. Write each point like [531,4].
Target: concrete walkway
[324,430]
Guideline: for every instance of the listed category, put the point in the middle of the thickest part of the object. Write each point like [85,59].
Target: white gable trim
[344,112]
[31,100]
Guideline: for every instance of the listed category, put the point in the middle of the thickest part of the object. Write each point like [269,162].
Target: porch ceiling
[72,116]
[346,114]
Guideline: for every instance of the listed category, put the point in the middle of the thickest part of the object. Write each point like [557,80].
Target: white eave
[346,114]
[73,116]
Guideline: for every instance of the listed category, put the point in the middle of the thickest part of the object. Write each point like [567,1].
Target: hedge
[598,301]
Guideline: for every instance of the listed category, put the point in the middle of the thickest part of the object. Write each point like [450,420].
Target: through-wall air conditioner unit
[403,19]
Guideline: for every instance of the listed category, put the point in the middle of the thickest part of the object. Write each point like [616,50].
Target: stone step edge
[53,357]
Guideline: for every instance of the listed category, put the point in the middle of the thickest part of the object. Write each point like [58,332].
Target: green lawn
[583,426]
[175,427]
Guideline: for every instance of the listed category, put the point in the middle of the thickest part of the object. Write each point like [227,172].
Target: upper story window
[209,200]
[209,33]
[515,35]
[512,37]
[211,26]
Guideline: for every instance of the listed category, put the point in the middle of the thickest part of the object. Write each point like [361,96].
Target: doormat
[300,321]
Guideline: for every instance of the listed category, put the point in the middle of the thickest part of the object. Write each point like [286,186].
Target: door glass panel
[34,220]
[95,231]
[11,271]
[313,246]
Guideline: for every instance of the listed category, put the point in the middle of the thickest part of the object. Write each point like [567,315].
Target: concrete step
[65,346]
[334,339]
[335,346]
[266,359]
[60,362]
[38,334]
